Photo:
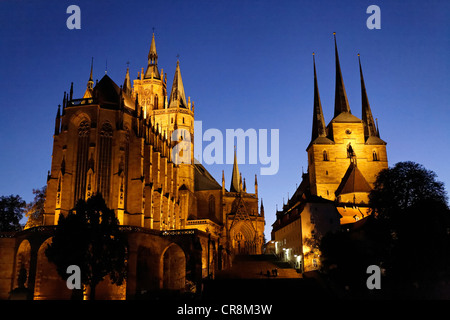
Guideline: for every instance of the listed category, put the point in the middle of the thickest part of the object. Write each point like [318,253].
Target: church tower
[173,117]
[344,157]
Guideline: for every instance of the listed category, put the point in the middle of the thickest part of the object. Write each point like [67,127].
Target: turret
[58,120]
[177,95]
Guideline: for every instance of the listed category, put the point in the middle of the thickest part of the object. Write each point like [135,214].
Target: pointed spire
[71,91]
[340,99]
[177,96]
[318,126]
[127,83]
[367,118]
[261,210]
[57,120]
[152,55]
[152,67]
[235,178]
[90,85]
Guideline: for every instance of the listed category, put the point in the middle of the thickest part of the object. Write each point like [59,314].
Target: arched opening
[155,105]
[105,161]
[84,129]
[146,269]
[49,285]
[375,155]
[22,268]
[173,268]
[325,155]
[243,238]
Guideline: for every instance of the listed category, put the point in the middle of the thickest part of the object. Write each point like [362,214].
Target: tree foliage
[35,209]
[404,186]
[408,237]
[12,209]
[89,237]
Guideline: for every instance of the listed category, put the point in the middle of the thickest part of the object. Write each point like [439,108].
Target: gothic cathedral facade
[121,141]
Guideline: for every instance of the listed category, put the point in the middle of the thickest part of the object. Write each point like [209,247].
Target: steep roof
[353,181]
[107,91]
[346,117]
[203,180]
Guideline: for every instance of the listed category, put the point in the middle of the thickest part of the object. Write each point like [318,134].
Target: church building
[344,158]
[121,141]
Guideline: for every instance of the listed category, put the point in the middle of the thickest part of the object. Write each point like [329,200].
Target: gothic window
[82,160]
[325,155]
[156,102]
[104,163]
[375,155]
[211,206]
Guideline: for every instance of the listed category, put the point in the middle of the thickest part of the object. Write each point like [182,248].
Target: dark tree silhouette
[12,209]
[89,237]
[408,236]
[404,186]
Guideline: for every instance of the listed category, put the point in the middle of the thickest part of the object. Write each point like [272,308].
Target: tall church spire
[152,67]
[235,178]
[340,98]
[90,85]
[369,125]
[177,97]
[318,126]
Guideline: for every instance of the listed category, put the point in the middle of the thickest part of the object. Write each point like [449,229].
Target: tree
[404,186]
[407,236]
[35,209]
[89,237]
[411,206]
[12,209]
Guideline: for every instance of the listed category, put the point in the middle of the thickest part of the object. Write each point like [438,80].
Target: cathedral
[181,224]
[344,158]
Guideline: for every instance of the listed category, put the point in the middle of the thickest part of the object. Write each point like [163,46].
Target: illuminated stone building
[124,142]
[344,158]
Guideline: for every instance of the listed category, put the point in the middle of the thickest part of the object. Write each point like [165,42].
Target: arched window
[82,160]
[211,205]
[155,106]
[104,160]
[375,155]
[325,155]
